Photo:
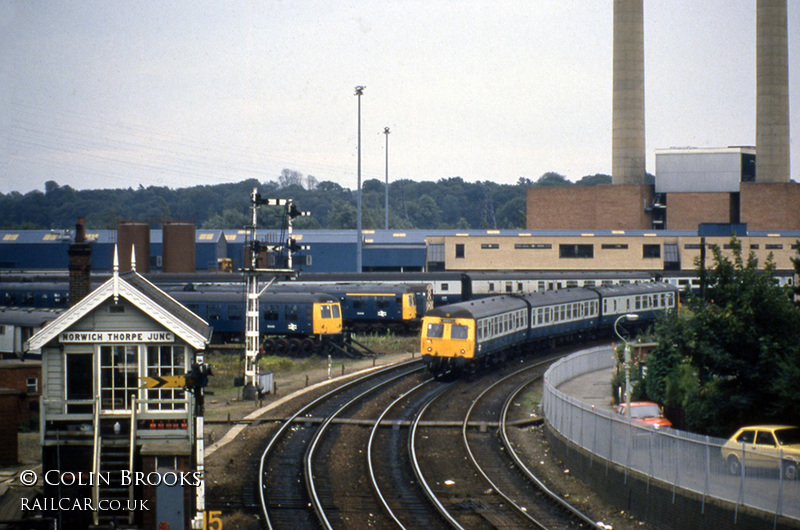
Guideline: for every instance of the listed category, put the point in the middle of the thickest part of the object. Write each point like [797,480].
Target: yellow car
[762,447]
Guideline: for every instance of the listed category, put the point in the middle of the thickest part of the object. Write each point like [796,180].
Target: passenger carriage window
[235,312]
[459,332]
[214,311]
[435,331]
[292,312]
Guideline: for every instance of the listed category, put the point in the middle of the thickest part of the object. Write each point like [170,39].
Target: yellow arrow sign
[164,381]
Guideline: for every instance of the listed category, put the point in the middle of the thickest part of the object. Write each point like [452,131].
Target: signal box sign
[84,337]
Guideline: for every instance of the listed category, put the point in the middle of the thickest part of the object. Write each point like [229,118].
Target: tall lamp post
[629,317]
[359,93]
[386,132]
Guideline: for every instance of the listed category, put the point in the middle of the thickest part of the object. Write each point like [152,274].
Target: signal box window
[459,250]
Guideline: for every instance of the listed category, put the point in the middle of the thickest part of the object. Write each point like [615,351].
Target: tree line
[446,203]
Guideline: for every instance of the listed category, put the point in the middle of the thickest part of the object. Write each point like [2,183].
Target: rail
[683,460]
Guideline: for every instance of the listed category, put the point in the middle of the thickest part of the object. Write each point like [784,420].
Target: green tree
[594,180]
[552,178]
[730,358]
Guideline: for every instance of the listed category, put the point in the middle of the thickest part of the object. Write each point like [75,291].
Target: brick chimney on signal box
[80,265]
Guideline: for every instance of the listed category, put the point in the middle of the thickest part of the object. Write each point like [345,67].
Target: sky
[122,94]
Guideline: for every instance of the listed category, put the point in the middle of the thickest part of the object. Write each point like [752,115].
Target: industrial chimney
[627,140]
[772,92]
[80,265]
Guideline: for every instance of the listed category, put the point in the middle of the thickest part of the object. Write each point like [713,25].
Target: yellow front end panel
[448,337]
[327,318]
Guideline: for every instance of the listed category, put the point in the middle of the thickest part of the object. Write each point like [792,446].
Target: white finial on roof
[133,258]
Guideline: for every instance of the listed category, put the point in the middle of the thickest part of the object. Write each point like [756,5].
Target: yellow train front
[468,335]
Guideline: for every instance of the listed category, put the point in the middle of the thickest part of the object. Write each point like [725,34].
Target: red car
[647,413]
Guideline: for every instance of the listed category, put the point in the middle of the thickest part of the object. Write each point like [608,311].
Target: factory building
[730,185]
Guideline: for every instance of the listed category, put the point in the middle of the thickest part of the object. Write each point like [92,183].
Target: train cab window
[325,311]
[459,332]
[335,310]
[411,301]
[435,331]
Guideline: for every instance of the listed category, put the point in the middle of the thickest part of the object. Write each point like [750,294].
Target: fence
[685,460]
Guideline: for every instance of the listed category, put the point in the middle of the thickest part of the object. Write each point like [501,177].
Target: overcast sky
[117,94]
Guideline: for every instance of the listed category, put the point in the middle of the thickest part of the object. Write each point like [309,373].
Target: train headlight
[430,349]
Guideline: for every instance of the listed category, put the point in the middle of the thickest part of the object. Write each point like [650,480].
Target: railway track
[468,472]
[398,449]
[289,495]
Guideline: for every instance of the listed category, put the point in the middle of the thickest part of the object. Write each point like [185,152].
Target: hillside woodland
[447,203]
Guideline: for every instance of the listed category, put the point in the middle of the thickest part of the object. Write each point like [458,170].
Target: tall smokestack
[80,265]
[627,142]
[772,92]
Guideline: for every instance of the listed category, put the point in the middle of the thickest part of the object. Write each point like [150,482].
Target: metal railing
[685,460]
